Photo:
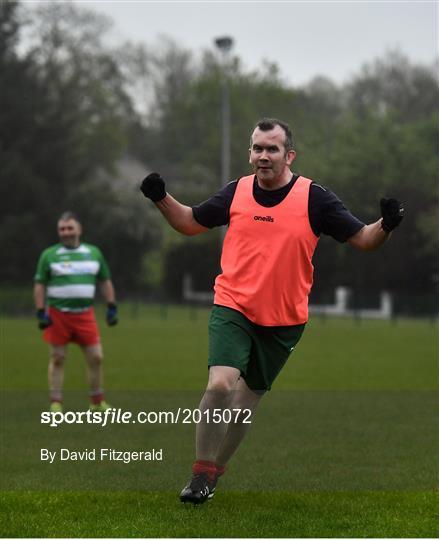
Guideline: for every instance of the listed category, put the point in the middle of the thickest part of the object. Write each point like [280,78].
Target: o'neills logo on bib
[264,218]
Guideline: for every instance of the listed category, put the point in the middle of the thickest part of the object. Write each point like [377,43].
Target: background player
[65,279]
[275,218]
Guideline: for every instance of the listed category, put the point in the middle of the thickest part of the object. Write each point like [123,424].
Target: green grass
[168,349]
[349,426]
[228,515]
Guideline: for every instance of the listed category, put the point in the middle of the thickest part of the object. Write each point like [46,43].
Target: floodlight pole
[225,168]
[224,45]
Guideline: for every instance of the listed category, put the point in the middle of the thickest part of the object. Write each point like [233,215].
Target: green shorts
[259,352]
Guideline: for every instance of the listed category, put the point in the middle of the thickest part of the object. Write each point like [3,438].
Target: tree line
[73,108]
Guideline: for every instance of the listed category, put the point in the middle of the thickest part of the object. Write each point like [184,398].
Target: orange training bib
[266,265]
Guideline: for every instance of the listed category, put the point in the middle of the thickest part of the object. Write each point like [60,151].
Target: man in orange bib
[275,218]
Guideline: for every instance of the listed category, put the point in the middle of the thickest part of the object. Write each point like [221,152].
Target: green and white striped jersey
[70,275]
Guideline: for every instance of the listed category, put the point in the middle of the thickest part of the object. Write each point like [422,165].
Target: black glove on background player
[392,212]
[111,315]
[44,321]
[153,187]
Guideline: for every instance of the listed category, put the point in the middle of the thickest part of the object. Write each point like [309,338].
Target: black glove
[44,321]
[392,212]
[111,314]
[153,187]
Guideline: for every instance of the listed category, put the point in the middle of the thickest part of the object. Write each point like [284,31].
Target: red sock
[207,467]
[56,395]
[97,398]
[220,470]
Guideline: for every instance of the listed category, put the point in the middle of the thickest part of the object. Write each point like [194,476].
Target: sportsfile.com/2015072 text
[118,416]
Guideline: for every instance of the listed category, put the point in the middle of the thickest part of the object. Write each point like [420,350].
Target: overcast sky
[304,38]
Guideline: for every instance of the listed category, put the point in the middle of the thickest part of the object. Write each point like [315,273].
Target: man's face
[268,157]
[69,232]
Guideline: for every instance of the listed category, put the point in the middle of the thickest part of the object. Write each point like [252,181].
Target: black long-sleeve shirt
[327,213]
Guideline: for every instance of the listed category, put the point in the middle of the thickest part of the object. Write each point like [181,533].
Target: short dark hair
[67,215]
[267,124]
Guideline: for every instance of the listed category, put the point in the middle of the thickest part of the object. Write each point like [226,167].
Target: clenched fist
[153,187]
[392,212]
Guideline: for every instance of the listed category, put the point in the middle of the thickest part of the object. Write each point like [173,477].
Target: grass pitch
[371,376]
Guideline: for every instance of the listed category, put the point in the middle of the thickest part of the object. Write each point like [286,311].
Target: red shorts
[67,327]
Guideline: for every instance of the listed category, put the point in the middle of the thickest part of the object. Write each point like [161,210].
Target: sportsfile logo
[264,218]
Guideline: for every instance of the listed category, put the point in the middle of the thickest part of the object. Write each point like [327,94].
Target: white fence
[338,309]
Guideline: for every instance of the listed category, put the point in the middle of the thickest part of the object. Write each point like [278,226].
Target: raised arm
[178,215]
[372,236]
